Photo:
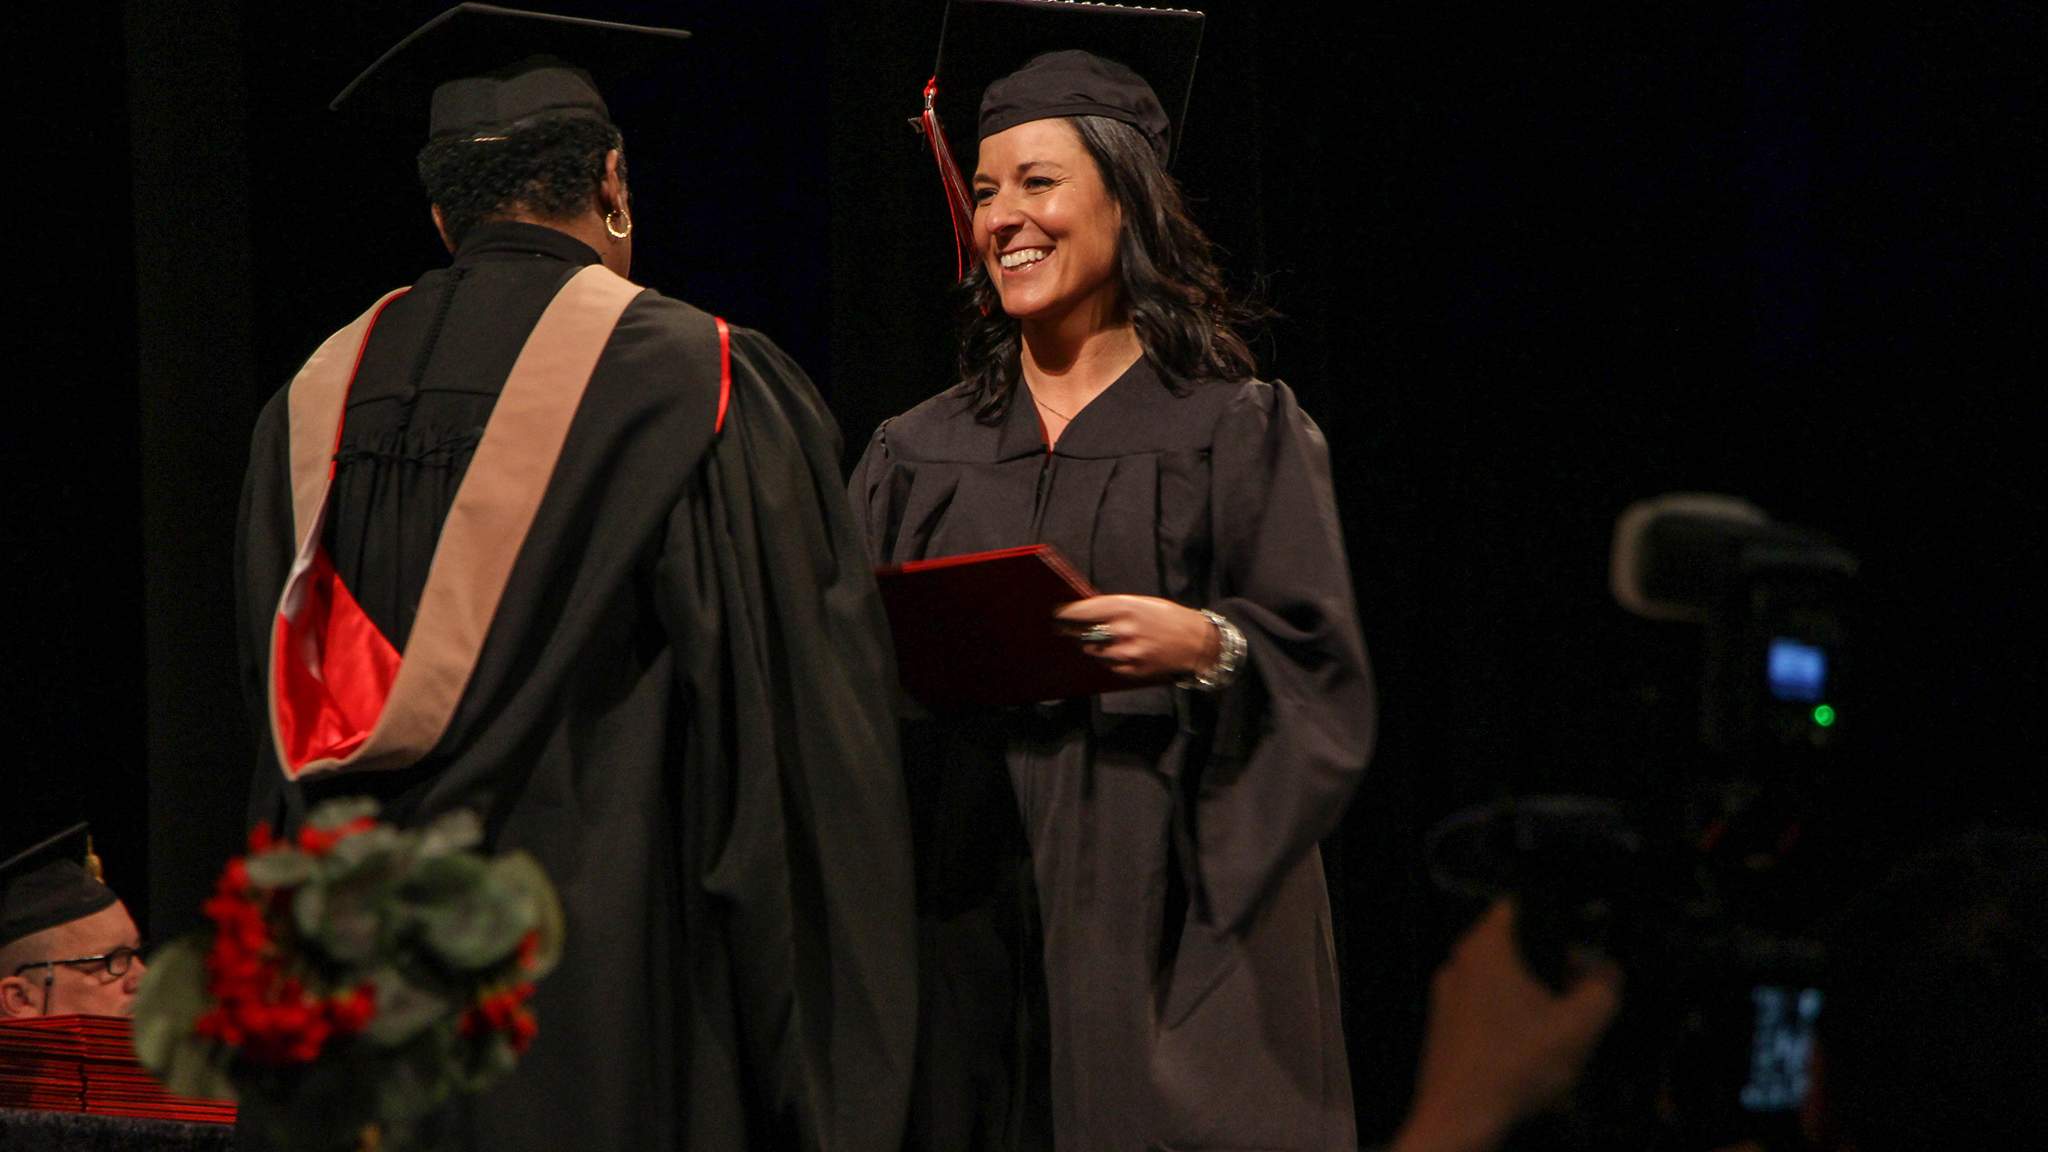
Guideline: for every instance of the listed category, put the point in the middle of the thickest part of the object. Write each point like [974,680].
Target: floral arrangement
[356,976]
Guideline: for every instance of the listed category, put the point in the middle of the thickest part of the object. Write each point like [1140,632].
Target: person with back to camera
[531,540]
[1174,891]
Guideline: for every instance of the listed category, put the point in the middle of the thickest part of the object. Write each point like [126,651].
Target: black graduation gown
[1189,976]
[679,708]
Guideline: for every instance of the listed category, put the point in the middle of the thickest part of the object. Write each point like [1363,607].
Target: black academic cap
[1006,62]
[47,884]
[481,70]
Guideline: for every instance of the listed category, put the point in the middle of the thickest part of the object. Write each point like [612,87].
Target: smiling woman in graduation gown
[667,683]
[1174,891]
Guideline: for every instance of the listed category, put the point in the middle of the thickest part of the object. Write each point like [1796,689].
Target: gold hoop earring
[612,230]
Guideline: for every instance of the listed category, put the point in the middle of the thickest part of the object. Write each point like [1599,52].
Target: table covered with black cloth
[25,1131]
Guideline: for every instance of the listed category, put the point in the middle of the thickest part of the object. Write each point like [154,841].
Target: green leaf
[481,929]
[332,814]
[453,832]
[356,915]
[281,868]
[172,995]
[522,873]
[199,1068]
[404,1009]
[372,847]
[350,931]
[467,918]
[309,905]
[442,880]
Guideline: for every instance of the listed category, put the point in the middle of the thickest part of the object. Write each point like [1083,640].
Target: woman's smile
[1022,260]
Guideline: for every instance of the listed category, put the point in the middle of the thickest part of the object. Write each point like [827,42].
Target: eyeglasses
[113,965]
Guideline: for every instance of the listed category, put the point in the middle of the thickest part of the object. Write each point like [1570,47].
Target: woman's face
[1044,223]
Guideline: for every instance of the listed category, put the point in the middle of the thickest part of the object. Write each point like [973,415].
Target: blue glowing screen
[1798,671]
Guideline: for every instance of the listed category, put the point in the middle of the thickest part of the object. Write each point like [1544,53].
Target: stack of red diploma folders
[86,1064]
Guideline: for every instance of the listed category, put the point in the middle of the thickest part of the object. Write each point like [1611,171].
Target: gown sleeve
[1293,733]
[263,556]
[868,492]
[796,849]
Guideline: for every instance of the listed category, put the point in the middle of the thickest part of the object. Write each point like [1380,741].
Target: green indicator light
[1824,716]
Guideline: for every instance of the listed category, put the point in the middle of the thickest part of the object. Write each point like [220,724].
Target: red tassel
[958,203]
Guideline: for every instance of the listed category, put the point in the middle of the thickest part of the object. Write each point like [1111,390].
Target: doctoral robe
[1156,847]
[679,708]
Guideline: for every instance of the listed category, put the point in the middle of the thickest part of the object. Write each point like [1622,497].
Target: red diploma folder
[977,630]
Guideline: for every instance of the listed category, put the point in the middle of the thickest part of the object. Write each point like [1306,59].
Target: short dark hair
[550,169]
[1185,319]
[1935,1029]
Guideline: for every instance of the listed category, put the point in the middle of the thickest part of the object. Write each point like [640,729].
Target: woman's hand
[1142,637]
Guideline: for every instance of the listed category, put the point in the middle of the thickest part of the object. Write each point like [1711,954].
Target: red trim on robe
[357,366]
[335,668]
[724,372]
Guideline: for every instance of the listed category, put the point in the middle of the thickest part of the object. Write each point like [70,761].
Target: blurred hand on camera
[1500,1046]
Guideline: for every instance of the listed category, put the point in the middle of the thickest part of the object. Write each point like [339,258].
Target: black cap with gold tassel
[52,882]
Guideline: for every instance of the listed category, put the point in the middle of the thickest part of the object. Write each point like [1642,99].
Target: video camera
[1769,600]
[1695,893]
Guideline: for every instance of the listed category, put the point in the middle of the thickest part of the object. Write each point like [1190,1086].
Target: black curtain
[72,670]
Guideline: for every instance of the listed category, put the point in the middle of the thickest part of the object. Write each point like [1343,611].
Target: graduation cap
[52,882]
[1008,62]
[483,71]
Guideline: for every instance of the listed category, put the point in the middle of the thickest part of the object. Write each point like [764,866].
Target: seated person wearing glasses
[67,943]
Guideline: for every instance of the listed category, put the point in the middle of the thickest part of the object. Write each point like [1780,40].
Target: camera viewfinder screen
[1797,671]
[1781,1047]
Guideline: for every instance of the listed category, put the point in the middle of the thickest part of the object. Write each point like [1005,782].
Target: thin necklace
[1050,408]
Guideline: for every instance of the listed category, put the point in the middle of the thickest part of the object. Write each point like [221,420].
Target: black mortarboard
[48,884]
[481,70]
[1007,62]
[991,76]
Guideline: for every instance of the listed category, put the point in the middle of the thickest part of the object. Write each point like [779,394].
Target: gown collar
[1115,423]
[499,239]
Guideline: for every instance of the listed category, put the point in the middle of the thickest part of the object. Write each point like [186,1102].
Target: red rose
[351,1012]
[523,1031]
[503,1011]
[321,841]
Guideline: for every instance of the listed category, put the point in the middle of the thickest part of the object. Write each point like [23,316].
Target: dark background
[1528,271]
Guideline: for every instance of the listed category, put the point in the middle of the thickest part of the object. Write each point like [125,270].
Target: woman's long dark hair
[1185,319]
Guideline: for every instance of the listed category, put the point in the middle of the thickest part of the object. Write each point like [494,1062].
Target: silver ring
[1097,635]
